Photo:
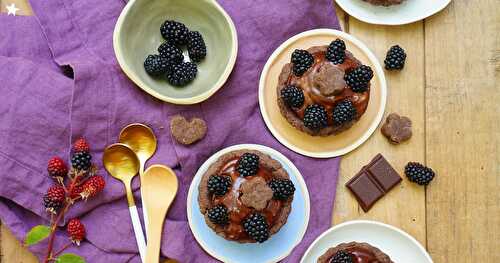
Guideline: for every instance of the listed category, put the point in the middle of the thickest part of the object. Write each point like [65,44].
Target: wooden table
[449,88]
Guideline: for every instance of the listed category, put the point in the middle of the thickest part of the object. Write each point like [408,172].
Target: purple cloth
[43,110]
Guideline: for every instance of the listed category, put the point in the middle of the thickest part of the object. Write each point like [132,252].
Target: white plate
[279,245]
[317,146]
[394,242]
[407,12]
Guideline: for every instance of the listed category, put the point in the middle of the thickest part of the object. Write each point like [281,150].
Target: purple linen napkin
[43,110]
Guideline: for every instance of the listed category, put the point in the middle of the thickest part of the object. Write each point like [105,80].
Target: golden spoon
[141,139]
[122,163]
[160,187]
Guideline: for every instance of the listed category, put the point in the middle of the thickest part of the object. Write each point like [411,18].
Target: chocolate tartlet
[384,2]
[358,252]
[324,90]
[246,196]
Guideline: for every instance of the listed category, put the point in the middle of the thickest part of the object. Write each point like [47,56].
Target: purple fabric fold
[43,111]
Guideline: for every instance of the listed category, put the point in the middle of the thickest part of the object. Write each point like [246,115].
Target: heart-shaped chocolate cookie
[397,128]
[187,132]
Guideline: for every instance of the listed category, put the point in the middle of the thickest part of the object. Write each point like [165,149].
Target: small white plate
[397,244]
[408,11]
[279,245]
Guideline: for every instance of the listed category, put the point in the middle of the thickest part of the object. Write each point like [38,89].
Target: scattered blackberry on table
[302,60]
[256,227]
[171,53]
[395,58]
[282,188]
[343,112]
[57,169]
[218,215]
[292,96]
[336,51]
[248,164]
[156,65]
[359,78]
[181,74]
[196,47]
[342,257]
[81,145]
[419,173]
[81,161]
[219,184]
[175,32]
[76,230]
[54,199]
[315,117]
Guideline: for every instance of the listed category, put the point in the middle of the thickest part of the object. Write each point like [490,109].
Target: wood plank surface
[404,206]
[449,88]
[462,47]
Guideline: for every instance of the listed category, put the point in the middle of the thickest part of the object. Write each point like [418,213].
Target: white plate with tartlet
[299,141]
[408,11]
[394,242]
[279,245]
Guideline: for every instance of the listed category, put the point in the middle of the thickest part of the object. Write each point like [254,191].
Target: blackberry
[175,32]
[359,78]
[315,117]
[81,161]
[218,184]
[418,173]
[282,188]
[336,51]
[395,58]
[50,205]
[181,74]
[302,61]
[218,215]
[292,96]
[196,47]
[248,164]
[156,65]
[256,227]
[344,112]
[342,257]
[171,53]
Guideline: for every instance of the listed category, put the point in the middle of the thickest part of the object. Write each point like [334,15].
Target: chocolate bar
[373,181]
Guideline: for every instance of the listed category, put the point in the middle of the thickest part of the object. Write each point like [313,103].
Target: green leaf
[69,258]
[37,234]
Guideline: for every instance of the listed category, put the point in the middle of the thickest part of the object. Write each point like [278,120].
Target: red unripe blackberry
[93,186]
[76,230]
[57,169]
[81,145]
[54,198]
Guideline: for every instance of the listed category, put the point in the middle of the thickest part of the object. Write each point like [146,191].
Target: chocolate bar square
[366,191]
[373,181]
[383,172]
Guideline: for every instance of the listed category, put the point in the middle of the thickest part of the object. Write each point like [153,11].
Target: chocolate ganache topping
[246,196]
[313,92]
[323,84]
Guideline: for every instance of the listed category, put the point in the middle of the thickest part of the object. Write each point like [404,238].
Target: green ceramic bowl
[137,34]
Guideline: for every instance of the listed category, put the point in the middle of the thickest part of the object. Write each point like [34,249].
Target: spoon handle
[144,208]
[139,235]
[154,238]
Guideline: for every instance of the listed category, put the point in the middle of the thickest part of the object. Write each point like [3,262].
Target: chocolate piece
[256,193]
[384,2]
[365,189]
[397,128]
[329,79]
[373,181]
[383,173]
[186,132]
